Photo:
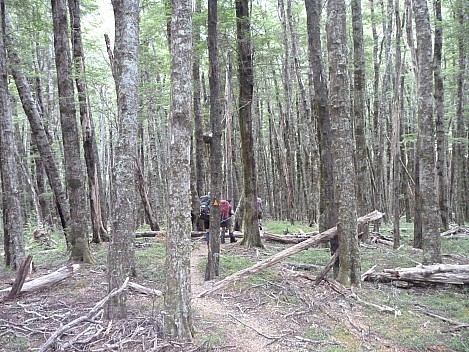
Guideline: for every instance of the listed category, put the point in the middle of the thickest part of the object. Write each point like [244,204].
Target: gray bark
[431,243]
[13,221]
[77,230]
[342,144]
[246,82]
[121,257]
[88,133]
[177,302]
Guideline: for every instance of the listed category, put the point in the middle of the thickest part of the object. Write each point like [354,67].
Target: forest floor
[278,309]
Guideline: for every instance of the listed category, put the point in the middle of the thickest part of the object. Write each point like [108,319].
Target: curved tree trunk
[38,131]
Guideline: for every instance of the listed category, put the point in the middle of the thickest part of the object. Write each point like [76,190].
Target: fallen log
[140,234]
[46,280]
[145,290]
[313,241]
[430,274]
[288,239]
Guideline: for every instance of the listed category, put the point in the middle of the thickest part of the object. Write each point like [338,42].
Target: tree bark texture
[121,256]
[39,135]
[13,221]
[216,158]
[246,83]
[342,144]
[77,230]
[177,302]
[88,133]
[430,217]
[441,140]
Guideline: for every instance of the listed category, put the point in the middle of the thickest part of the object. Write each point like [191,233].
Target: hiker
[260,210]
[226,213]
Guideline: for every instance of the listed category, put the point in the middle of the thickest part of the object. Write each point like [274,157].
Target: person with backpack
[226,213]
[260,210]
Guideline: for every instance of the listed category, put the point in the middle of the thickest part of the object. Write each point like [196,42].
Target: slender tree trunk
[177,301]
[359,87]
[431,244]
[77,231]
[458,148]
[121,256]
[216,176]
[13,221]
[88,134]
[246,82]
[396,131]
[342,144]
[38,130]
[441,142]
[197,179]
[327,204]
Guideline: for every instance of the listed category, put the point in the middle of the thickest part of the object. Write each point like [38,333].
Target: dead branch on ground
[314,241]
[46,280]
[87,317]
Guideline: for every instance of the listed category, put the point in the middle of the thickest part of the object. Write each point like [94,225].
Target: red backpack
[224,209]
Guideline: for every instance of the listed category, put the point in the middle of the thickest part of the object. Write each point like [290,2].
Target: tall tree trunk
[375,111]
[431,244]
[458,148]
[77,231]
[177,302]
[88,134]
[396,133]
[342,144]
[121,256]
[441,142]
[252,236]
[39,134]
[213,260]
[327,204]
[359,87]
[13,221]
[197,140]
[287,118]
